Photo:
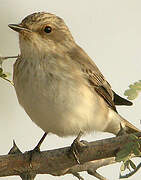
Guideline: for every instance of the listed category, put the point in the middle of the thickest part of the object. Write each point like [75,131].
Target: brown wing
[93,75]
[101,86]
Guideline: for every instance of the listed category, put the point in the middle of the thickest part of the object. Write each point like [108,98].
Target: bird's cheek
[25,35]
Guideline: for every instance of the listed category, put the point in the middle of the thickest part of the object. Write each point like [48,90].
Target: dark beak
[18,28]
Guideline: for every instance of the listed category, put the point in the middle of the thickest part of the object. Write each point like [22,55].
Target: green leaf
[136,152]
[133,137]
[122,155]
[133,90]
[132,147]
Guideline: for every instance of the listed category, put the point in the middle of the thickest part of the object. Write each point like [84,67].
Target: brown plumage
[58,84]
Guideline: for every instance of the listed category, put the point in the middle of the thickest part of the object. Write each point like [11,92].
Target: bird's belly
[63,109]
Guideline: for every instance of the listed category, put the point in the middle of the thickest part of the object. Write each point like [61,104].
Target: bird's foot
[122,131]
[36,149]
[77,147]
[31,154]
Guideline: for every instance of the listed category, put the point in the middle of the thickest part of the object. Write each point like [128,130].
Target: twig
[7,57]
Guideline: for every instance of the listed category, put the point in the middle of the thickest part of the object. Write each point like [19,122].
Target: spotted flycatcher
[57,83]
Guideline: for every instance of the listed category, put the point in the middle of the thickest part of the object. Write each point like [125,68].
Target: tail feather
[130,128]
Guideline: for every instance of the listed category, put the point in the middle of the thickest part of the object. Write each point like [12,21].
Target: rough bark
[61,161]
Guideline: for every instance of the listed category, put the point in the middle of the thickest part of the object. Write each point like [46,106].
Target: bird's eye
[47,29]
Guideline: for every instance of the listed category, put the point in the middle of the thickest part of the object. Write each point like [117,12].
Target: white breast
[57,104]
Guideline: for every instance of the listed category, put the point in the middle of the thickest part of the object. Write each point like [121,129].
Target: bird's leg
[122,131]
[77,147]
[37,147]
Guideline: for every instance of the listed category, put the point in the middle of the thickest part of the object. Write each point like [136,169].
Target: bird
[59,85]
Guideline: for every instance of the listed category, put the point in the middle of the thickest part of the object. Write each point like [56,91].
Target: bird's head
[42,33]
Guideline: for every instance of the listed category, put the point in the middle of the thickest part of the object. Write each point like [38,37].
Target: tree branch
[60,161]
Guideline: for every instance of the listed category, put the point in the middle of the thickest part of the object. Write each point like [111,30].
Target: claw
[36,149]
[77,147]
[122,131]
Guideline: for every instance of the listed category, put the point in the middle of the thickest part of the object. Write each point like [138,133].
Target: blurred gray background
[109,31]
